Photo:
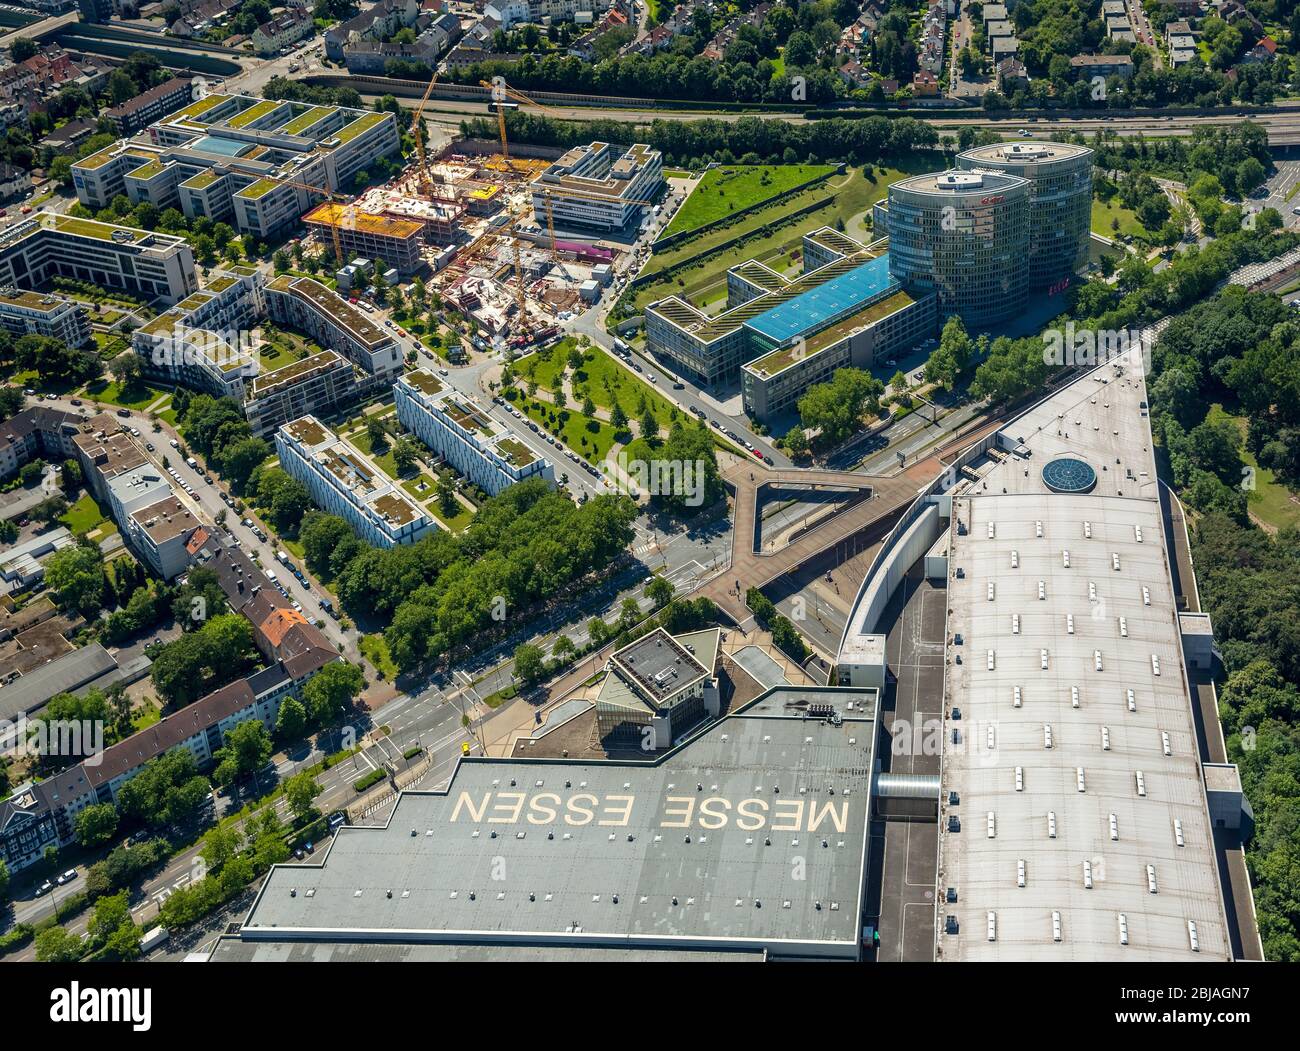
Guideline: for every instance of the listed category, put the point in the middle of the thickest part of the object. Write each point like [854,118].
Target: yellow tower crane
[424,179]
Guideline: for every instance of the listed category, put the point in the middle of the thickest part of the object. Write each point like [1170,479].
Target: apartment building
[600,187]
[336,324]
[235,158]
[462,432]
[24,313]
[203,341]
[47,245]
[161,532]
[40,815]
[138,113]
[316,385]
[344,482]
[36,432]
[369,236]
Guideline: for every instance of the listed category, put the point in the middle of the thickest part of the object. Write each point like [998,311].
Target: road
[207,506]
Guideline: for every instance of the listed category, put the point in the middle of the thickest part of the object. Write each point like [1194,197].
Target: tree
[321,535]
[618,418]
[76,576]
[50,510]
[291,722]
[247,749]
[127,369]
[200,661]
[22,49]
[58,945]
[111,927]
[447,503]
[95,824]
[529,663]
[331,691]
[649,425]
[660,592]
[837,407]
[300,791]
[405,454]
[796,441]
[239,459]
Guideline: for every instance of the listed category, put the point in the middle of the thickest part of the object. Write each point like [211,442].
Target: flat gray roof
[1068,599]
[62,675]
[232,950]
[751,835]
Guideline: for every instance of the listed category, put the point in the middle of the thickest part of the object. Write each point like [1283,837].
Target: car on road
[124,413]
[76,401]
[67,877]
[44,888]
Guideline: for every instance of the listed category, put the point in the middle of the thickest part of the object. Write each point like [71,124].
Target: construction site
[487,228]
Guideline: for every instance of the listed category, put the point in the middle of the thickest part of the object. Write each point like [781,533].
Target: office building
[600,187]
[346,483]
[964,237]
[236,159]
[844,308]
[463,433]
[47,245]
[1060,201]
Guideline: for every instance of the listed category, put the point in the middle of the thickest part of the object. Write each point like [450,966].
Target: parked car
[44,888]
[67,877]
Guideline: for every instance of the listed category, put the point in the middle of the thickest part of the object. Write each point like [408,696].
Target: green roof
[516,452]
[147,171]
[197,109]
[253,113]
[257,189]
[305,120]
[201,181]
[363,123]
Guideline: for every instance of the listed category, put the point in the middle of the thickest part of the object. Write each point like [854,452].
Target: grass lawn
[1104,214]
[136,396]
[685,271]
[143,718]
[375,650]
[84,515]
[1270,501]
[726,190]
[589,438]
[385,461]
[601,377]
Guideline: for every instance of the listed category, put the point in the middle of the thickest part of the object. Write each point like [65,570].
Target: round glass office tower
[964,236]
[1060,195]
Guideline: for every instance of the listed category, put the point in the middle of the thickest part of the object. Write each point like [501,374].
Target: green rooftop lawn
[724,191]
[688,270]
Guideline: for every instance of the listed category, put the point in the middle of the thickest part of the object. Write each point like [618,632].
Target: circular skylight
[1068,475]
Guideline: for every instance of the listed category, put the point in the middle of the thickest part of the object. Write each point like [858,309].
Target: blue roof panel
[817,306]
